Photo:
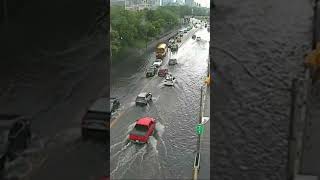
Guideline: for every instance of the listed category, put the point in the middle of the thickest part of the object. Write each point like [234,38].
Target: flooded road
[170,153]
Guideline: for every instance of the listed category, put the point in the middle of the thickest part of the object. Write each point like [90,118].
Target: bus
[161,50]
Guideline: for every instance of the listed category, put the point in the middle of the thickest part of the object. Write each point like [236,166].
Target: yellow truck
[161,51]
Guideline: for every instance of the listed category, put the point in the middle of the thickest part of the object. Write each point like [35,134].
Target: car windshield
[140,98]
[157,60]
[141,128]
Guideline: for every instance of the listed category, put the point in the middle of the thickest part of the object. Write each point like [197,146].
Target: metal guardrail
[196,164]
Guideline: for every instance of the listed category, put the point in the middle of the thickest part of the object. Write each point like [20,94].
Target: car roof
[144,121]
[100,105]
[143,94]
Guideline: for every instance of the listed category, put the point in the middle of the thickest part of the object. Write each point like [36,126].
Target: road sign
[200,128]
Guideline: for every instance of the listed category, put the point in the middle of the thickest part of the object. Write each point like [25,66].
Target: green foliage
[131,27]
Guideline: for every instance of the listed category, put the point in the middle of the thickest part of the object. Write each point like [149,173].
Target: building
[167,2]
[189,2]
[117,2]
[196,4]
[138,5]
[180,2]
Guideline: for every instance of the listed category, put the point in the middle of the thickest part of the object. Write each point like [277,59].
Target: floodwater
[170,152]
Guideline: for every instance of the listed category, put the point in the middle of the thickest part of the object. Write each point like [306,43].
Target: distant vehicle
[143,98]
[185,31]
[179,40]
[96,120]
[151,71]
[161,51]
[114,104]
[169,80]
[198,38]
[173,61]
[15,136]
[181,31]
[174,47]
[205,25]
[157,63]
[194,36]
[181,35]
[171,42]
[162,72]
[189,28]
[208,29]
[142,130]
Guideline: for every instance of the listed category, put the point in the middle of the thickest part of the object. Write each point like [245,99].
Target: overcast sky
[204,3]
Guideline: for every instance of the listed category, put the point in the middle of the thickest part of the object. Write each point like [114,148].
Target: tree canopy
[130,27]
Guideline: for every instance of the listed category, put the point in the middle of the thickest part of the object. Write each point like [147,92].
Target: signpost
[200,129]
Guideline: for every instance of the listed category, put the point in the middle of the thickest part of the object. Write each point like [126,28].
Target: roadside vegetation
[136,28]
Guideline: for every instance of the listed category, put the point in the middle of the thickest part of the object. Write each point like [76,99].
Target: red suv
[143,129]
[162,72]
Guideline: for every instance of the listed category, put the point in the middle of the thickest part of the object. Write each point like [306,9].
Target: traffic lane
[73,160]
[123,82]
[183,114]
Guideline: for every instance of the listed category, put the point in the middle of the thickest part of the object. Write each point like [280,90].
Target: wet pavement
[170,153]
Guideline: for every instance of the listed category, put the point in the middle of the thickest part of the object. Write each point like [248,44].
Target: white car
[198,38]
[157,63]
[169,80]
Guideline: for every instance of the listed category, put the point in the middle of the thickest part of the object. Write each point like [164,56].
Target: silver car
[143,98]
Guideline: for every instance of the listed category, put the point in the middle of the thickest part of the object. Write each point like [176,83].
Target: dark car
[142,130]
[151,71]
[162,72]
[95,122]
[174,47]
[181,35]
[114,104]
[15,136]
[173,61]
[194,36]
[143,98]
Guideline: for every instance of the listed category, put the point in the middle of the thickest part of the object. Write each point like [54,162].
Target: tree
[115,43]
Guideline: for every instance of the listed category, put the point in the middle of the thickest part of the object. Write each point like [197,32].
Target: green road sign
[200,128]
